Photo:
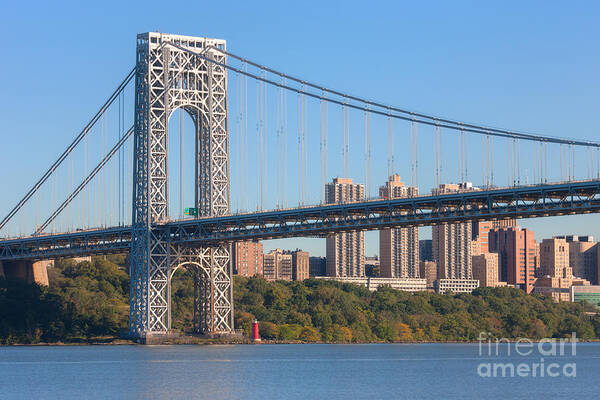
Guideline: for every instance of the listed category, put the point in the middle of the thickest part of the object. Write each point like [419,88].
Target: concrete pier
[29,271]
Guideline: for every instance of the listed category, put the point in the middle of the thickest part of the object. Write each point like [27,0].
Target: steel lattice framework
[191,238]
[168,78]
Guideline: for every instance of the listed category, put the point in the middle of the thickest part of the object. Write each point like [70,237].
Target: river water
[304,371]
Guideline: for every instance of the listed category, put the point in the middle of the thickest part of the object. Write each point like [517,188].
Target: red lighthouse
[255,334]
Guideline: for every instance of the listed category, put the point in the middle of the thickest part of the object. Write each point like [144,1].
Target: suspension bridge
[123,184]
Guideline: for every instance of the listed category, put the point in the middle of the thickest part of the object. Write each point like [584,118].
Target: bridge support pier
[150,309]
[28,271]
[213,290]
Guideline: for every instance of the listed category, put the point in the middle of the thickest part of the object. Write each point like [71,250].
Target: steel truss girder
[519,202]
[168,78]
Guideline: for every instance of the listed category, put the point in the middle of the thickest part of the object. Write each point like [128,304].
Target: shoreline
[216,342]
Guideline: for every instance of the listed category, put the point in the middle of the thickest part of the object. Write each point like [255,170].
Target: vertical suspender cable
[344,139]
[484,160]
[71,184]
[416,155]
[388,147]
[299,149]
[262,143]
[573,160]
[561,162]
[278,148]
[392,146]
[466,141]
[459,139]
[546,162]
[326,147]
[181,155]
[568,162]
[285,143]
[365,156]
[86,203]
[441,163]
[265,136]
[258,172]
[540,161]
[119,158]
[347,149]
[519,162]
[492,158]
[246,204]
[321,145]
[125,153]
[370,171]
[240,140]
[412,154]
[511,168]
[305,195]
[436,156]
[589,163]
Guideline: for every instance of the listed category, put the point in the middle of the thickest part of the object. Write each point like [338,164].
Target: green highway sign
[191,211]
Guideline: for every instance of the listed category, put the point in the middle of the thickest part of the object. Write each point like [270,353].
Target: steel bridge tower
[169,76]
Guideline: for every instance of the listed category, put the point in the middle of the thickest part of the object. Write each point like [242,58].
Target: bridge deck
[515,202]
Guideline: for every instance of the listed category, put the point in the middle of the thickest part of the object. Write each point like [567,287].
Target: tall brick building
[345,251]
[247,258]
[398,247]
[517,250]
[485,269]
[277,265]
[300,265]
[451,243]
[583,256]
[556,274]
[481,230]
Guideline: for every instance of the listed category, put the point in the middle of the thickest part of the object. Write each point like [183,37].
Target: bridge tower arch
[169,76]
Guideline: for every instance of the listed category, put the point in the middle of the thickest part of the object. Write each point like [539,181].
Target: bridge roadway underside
[518,202]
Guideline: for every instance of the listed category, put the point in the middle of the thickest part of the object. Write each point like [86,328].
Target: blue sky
[530,66]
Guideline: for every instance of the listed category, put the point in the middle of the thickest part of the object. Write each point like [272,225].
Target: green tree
[268,330]
[310,334]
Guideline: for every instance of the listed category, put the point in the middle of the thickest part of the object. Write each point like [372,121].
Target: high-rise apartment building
[451,243]
[398,247]
[583,256]
[428,271]
[317,266]
[247,258]
[485,269]
[277,265]
[516,248]
[557,275]
[425,250]
[481,229]
[346,250]
[554,258]
[300,265]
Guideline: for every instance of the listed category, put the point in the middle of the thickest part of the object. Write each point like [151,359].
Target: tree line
[89,301]
[316,310]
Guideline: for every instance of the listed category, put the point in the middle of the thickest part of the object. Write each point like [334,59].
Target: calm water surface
[320,371]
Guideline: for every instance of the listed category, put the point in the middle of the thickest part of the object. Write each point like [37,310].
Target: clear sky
[531,66]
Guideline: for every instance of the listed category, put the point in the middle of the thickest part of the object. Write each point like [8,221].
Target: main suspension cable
[70,148]
[423,118]
[83,184]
